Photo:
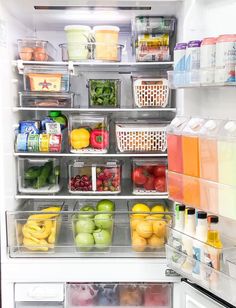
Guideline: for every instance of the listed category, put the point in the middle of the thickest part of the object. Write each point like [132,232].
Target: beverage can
[33,143]
[179,56]
[21,142]
[193,55]
[208,52]
[44,142]
[55,143]
[226,50]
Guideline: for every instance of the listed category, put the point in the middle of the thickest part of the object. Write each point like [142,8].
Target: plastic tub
[77,34]
[108,35]
[35,50]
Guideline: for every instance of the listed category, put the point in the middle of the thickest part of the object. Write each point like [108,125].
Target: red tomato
[149,169]
[149,185]
[159,171]
[138,176]
[160,184]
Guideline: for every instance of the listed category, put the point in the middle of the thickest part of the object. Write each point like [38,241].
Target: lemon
[140,207]
[160,209]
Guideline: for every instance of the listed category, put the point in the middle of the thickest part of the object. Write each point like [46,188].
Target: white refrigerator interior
[39,281]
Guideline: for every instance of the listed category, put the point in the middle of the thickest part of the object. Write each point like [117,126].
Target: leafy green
[104,92]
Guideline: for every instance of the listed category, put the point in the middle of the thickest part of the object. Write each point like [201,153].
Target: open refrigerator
[62,274]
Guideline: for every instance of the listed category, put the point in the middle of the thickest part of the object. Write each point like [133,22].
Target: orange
[159,228]
[139,243]
[134,234]
[156,242]
[144,229]
[140,207]
[134,221]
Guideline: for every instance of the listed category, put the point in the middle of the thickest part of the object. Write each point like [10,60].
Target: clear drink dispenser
[227,169]
[190,150]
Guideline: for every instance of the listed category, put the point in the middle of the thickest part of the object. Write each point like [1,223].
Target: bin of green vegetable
[39,176]
[104,93]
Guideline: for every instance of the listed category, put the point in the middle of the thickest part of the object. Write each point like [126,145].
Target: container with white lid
[207,60]
[106,38]
[77,39]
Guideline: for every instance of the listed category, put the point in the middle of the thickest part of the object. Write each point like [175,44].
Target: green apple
[105,206]
[86,209]
[84,226]
[102,238]
[103,221]
[84,241]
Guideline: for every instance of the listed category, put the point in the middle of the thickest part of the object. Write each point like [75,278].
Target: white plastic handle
[38,293]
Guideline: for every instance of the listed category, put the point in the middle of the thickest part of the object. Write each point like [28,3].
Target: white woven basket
[151,92]
[141,137]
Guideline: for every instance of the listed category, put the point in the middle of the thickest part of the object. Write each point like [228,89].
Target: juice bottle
[208,158]
[227,170]
[190,147]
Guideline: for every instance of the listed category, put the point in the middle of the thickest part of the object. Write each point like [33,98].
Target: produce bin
[34,227]
[92,229]
[99,178]
[154,24]
[39,175]
[36,50]
[149,176]
[46,79]
[150,92]
[88,134]
[141,137]
[148,225]
[104,93]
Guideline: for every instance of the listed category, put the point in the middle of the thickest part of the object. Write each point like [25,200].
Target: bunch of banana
[39,232]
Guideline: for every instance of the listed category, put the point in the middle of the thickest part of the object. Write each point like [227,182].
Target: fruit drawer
[39,175]
[119,295]
[91,177]
[35,227]
[88,134]
[207,267]
[46,79]
[36,50]
[149,176]
[203,194]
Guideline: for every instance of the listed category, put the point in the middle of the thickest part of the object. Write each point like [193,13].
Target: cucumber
[53,179]
[32,173]
[43,177]
[56,171]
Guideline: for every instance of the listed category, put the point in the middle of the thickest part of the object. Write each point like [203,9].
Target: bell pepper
[99,139]
[79,138]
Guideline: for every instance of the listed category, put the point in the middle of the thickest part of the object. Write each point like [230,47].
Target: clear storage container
[148,225]
[88,177]
[104,93]
[36,50]
[88,134]
[46,79]
[46,100]
[149,176]
[154,24]
[92,229]
[150,92]
[39,175]
[34,227]
[140,136]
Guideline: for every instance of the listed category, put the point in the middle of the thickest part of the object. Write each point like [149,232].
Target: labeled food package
[94,177]
[88,134]
[149,176]
[92,224]
[148,225]
[39,176]
[45,82]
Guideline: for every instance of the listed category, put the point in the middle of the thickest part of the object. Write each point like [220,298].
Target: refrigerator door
[187,295]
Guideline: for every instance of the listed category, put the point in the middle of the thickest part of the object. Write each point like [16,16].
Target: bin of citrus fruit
[148,225]
[88,134]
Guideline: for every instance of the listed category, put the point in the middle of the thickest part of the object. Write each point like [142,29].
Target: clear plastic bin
[104,93]
[88,134]
[154,24]
[46,79]
[91,55]
[149,92]
[36,50]
[149,176]
[34,227]
[46,100]
[148,225]
[87,177]
[92,230]
[139,136]
[39,175]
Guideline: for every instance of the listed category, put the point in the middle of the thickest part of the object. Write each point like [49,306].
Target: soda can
[33,143]
[21,142]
